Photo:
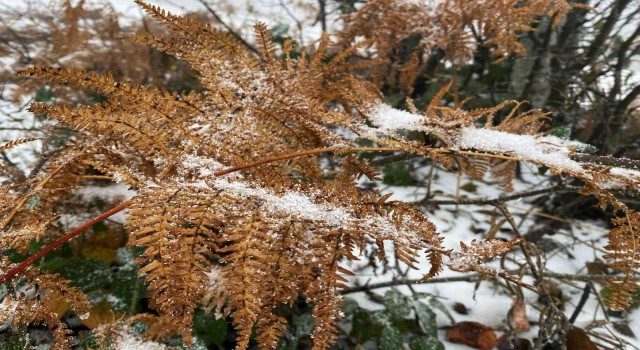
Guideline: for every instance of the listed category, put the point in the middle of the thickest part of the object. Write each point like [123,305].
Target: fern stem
[58,242]
[344,150]
[26,197]
[301,154]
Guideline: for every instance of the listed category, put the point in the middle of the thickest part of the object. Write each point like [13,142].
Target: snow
[387,118]
[551,151]
[289,204]
[488,303]
[548,150]
[128,341]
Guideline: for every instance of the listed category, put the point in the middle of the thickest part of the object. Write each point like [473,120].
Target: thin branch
[608,160]
[503,198]
[58,242]
[229,29]
[301,154]
[465,278]
[583,300]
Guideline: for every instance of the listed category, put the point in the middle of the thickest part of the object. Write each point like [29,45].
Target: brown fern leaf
[504,171]
[409,73]
[44,301]
[143,133]
[624,241]
[293,272]
[246,273]
[266,46]
[324,291]
[475,167]
[11,144]
[359,167]
[175,225]
[471,257]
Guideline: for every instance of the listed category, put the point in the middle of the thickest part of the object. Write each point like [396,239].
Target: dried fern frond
[11,144]
[473,256]
[230,193]
[176,226]
[624,243]
[44,301]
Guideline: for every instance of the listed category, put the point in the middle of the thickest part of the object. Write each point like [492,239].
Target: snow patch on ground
[128,341]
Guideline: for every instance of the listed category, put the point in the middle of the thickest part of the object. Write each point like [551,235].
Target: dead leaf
[624,329]
[597,268]
[56,304]
[100,314]
[473,334]
[460,308]
[518,316]
[505,342]
[577,339]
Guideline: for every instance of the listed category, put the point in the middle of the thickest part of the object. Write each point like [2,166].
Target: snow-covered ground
[489,303]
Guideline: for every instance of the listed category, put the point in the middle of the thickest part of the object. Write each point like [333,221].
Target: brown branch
[301,154]
[608,160]
[465,278]
[503,198]
[23,265]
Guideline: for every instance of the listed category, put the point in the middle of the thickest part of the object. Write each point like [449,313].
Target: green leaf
[128,288]
[436,303]
[397,304]
[279,32]
[350,307]
[426,319]
[425,343]
[18,340]
[396,174]
[86,274]
[212,331]
[299,332]
[364,327]
[303,324]
[45,94]
[390,339]
[380,318]
[563,132]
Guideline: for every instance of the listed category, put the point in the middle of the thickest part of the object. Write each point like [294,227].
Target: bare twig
[229,29]
[465,278]
[607,160]
[503,198]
